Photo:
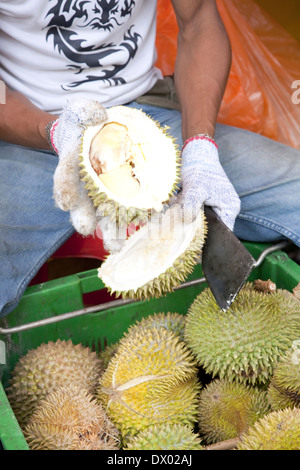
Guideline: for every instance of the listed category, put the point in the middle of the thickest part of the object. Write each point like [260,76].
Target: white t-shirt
[58,50]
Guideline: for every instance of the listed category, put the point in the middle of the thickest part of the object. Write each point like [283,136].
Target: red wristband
[200,137]
[52,134]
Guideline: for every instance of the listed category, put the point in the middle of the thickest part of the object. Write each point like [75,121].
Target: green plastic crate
[98,326]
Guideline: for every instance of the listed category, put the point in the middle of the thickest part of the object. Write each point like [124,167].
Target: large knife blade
[226,262]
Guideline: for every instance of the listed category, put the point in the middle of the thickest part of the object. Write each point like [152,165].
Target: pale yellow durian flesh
[129,164]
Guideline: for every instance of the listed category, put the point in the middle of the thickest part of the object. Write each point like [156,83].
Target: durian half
[157,258]
[129,164]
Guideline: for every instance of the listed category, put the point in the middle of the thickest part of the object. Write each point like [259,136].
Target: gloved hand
[68,190]
[204,182]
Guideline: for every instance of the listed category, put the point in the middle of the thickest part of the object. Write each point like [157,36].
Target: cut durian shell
[129,164]
[157,258]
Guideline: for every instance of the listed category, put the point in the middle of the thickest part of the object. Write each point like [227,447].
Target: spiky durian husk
[151,379]
[49,437]
[146,266]
[245,342]
[70,419]
[284,388]
[119,214]
[165,436]
[47,367]
[144,128]
[279,430]
[174,322]
[107,354]
[227,409]
[170,321]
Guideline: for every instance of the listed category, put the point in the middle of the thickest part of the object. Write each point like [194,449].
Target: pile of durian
[201,380]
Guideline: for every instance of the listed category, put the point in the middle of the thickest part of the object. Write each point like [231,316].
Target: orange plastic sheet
[263,89]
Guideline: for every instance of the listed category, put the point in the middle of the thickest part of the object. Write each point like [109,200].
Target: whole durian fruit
[227,409]
[174,322]
[278,430]
[165,436]
[157,258]
[47,367]
[151,379]
[245,342]
[129,164]
[284,388]
[171,321]
[70,419]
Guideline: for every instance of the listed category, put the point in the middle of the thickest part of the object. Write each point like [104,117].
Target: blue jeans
[266,175]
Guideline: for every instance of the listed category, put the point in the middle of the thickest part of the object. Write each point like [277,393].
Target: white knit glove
[113,234]
[204,182]
[68,190]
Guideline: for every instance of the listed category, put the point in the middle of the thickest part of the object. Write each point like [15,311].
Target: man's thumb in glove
[83,216]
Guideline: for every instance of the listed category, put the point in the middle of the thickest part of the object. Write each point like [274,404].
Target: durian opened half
[157,258]
[129,164]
